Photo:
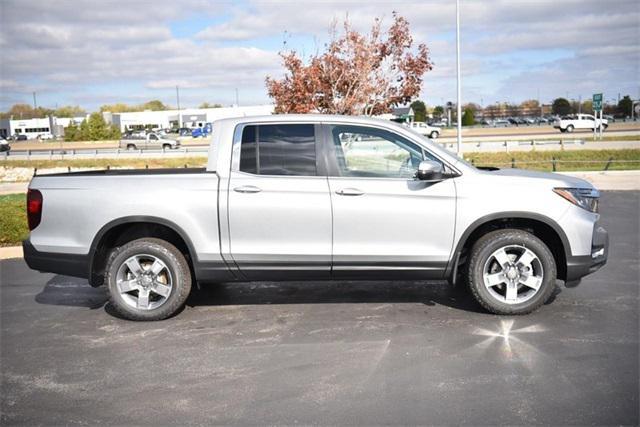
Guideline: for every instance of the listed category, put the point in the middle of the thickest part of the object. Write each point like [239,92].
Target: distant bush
[467,117]
[93,129]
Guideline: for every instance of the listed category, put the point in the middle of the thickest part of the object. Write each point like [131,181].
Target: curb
[11,252]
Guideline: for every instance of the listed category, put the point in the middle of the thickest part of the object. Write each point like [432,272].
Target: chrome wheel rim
[513,274]
[144,282]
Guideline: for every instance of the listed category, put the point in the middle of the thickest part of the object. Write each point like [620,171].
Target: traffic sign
[597,101]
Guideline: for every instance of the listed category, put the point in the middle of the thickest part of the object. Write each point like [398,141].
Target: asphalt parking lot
[327,353]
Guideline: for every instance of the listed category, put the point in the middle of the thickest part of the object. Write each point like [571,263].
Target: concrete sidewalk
[13,187]
[610,180]
[11,252]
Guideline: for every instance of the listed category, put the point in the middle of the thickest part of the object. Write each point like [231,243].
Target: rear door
[278,203]
[386,223]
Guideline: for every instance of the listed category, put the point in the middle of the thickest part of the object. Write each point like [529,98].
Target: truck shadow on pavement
[74,292]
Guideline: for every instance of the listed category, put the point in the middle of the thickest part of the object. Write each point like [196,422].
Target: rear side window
[279,150]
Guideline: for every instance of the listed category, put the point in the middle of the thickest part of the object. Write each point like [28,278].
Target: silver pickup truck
[315,197]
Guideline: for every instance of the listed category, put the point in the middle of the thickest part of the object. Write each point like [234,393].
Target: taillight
[34,208]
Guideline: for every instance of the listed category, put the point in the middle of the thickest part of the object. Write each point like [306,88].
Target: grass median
[13,219]
[565,161]
[178,162]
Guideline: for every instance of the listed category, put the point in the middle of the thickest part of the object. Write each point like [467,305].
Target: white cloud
[126,49]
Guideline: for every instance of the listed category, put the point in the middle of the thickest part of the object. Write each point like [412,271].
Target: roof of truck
[315,118]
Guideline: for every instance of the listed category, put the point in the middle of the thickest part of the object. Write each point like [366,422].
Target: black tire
[131,147]
[481,252]
[166,147]
[175,263]
[434,135]
[570,128]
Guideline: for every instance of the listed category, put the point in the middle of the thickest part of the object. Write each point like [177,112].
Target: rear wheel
[131,147]
[511,272]
[148,279]
[434,135]
[570,128]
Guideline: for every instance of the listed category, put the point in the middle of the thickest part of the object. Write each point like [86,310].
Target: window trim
[330,155]
[237,142]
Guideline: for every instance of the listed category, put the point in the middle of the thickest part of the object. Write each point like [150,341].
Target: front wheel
[570,128]
[434,135]
[511,272]
[148,279]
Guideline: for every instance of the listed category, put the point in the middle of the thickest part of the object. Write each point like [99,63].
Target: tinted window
[248,150]
[279,150]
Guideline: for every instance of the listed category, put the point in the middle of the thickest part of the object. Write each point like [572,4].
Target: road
[473,133]
[327,353]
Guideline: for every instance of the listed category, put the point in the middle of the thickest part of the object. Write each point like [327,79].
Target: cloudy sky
[89,53]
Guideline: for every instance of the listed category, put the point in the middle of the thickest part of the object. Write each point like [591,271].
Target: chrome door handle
[247,189]
[350,192]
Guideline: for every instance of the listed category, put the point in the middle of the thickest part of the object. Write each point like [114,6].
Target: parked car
[184,131]
[19,137]
[202,132]
[424,129]
[152,140]
[45,136]
[579,121]
[4,145]
[294,197]
[501,123]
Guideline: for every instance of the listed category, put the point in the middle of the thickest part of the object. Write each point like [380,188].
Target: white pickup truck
[315,197]
[579,121]
[424,129]
[150,141]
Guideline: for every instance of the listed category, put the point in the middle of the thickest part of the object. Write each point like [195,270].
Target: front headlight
[586,198]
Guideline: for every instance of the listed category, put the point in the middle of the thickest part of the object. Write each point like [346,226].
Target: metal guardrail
[555,163]
[515,143]
[61,154]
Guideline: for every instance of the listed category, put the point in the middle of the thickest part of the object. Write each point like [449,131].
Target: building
[33,128]
[399,114]
[189,117]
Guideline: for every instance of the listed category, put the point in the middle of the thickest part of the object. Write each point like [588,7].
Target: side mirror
[429,170]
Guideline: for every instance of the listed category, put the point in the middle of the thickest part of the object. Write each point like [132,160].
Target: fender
[204,271]
[452,266]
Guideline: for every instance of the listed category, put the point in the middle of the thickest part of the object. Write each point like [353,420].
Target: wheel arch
[543,227]
[126,229]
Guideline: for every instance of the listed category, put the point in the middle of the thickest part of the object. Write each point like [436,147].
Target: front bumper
[52,262]
[580,266]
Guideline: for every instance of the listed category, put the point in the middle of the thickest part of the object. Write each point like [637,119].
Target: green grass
[13,219]
[177,162]
[578,160]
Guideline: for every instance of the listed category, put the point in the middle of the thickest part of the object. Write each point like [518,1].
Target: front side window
[279,149]
[371,152]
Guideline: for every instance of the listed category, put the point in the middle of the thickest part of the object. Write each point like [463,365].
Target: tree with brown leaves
[357,74]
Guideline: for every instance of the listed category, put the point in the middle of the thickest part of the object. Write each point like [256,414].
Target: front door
[385,222]
[279,205]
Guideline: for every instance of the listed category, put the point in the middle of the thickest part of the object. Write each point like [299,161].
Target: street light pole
[458,86]
[179,112]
